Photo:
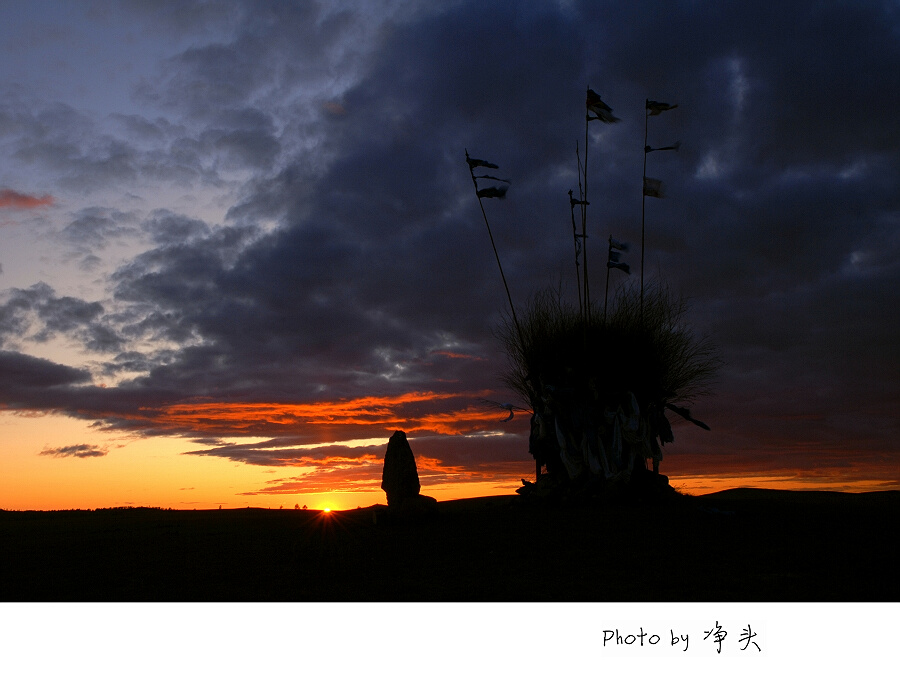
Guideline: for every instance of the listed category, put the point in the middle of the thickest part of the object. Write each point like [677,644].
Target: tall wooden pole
[572,202]
[643,204]
[587,292]
[512,308]
[650,107]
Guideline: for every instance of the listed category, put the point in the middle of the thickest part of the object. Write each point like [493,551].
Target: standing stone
[400,478]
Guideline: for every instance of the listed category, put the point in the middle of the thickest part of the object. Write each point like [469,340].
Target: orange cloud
[19,201]
[452,354]
[413,412]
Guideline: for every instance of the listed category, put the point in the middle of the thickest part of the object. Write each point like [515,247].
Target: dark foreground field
[738,545]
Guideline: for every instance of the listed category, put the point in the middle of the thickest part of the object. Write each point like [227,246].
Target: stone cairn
[400,482]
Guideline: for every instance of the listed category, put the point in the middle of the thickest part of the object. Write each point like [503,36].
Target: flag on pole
[614,259]
[492,192]
[498,192]
[575,202]
[655,107]
[614,263]
[475,163]
[599,108]
[686,413]
[653,188]
[674,146]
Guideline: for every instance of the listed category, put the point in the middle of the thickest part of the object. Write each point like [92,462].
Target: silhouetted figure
[400,478]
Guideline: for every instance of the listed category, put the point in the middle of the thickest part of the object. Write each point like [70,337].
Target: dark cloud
[143,130]
[129,361]
[36,313]
[94,228]
[75,451]
[183,17]
[274,46]
[255,455]
[89,155]
[24,374]
[167,228]
[248,140]
[68,143]
[455,450]
[377,277]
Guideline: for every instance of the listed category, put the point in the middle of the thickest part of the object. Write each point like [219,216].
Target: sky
[239,243]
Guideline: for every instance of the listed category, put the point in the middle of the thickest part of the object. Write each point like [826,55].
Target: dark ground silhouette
[739,545]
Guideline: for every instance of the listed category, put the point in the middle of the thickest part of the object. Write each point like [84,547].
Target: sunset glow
[240,245]
[169,473]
